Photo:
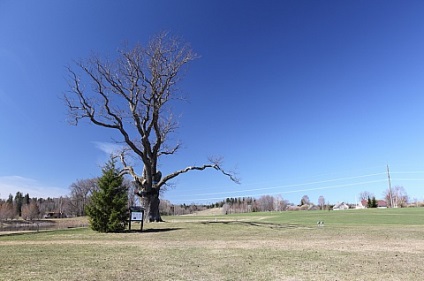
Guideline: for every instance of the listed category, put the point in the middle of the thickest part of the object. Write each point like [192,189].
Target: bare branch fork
[216,164]
[199,168]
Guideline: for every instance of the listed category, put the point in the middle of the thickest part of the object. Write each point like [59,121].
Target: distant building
[360,205]
[340,206]
[54,215]
[382,204]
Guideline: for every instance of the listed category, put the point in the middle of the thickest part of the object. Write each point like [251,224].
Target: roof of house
[380,203]
[341,206]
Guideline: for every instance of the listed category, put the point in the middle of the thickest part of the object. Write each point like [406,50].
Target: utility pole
[390,188]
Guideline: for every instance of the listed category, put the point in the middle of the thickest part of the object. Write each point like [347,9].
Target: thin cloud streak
[13,184]
[107,147]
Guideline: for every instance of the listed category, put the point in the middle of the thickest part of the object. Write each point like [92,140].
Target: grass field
[352,245]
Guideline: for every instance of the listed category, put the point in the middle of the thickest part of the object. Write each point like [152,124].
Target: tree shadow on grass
[17,233]
[153,230]
[261,224]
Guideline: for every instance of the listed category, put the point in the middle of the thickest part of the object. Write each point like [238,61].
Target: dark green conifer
[369,203]
[374,203]
[108,209]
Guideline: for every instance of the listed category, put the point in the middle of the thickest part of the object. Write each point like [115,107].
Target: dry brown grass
[218,250]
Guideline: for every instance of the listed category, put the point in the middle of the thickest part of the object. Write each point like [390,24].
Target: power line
[294,191]
[297,191]
[408,172]
[288,186]
[407,179]
[251,192]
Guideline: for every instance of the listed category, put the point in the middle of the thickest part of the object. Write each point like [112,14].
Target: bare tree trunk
[150,203]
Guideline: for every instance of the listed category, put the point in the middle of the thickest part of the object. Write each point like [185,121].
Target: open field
[353,245]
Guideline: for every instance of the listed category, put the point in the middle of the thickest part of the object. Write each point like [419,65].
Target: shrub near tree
[108,209]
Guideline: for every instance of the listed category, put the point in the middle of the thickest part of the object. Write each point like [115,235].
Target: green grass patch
[405,216]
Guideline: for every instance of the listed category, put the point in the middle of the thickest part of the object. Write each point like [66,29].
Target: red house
[380,203]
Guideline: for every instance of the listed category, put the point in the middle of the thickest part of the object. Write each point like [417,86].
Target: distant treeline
[27,208]
[243,205]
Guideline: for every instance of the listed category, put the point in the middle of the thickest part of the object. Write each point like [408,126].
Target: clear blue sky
[301,97]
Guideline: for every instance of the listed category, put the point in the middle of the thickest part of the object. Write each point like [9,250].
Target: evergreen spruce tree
[108,209]
[374,203]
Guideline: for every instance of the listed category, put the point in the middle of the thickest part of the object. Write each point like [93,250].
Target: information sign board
[136,216]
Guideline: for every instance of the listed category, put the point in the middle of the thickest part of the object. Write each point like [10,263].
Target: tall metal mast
[390,188]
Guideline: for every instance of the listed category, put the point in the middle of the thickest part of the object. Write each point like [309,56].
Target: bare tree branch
[132,96]
[198,168]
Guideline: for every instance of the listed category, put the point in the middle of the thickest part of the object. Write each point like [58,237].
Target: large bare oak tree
[131,95]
